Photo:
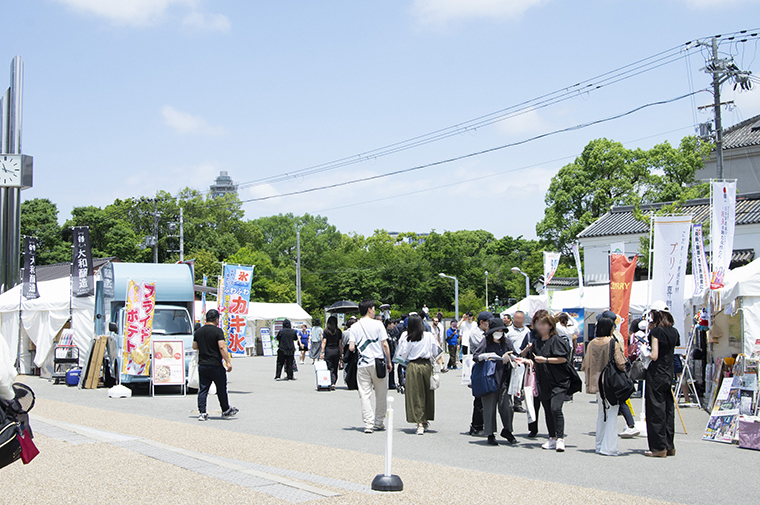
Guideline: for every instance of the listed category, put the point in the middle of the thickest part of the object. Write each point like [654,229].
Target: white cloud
[149,12]
[527,123]
[207,22]
[184,122]
[441,11]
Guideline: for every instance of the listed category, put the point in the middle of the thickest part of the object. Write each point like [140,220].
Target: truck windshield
[171,322]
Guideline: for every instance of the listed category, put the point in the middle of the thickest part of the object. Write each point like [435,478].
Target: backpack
[615,386]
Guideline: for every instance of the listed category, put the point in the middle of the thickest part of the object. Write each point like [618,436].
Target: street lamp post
[486,289]
[516,270]
[456,293]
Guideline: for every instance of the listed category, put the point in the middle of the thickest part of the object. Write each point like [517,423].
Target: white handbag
[192,373]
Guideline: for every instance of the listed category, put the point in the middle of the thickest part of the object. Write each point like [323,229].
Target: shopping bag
[531,388]
[28,450]
[516,380]
[529,406]
[484,378]
[467,371]
[192,373]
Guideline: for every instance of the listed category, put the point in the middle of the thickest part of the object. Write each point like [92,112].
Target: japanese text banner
[235,298]
[671,248]
[82,283]
[722,230]
[29,288]
[700,270]
[138,327]
[551,262]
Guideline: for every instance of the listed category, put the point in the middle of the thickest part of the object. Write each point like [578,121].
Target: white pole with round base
[387,481]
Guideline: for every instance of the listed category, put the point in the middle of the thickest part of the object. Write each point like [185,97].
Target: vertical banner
[138,327]
[722,230]
[81,263]
[700,270]
[29,288]
[551,262]
[236,295]
[671,248]
[203,301]
[622,271]
[577,258]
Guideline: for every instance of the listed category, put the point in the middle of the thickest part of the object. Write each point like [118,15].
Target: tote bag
[484,379]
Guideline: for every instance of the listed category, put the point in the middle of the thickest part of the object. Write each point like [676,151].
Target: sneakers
[368,430]
[560,445]
[629,433]
[203,417]
[230,412]
[508,435]
[550,444]
[492,440]
[420,430]
[378,428]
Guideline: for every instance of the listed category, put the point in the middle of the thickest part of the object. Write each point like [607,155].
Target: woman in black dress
[549,354]
[332,349]
[531,337]
[663,339]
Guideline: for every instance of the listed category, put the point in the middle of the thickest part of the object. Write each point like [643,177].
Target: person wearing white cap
[663,339]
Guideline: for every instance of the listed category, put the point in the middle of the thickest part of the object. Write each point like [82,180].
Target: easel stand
[687,375]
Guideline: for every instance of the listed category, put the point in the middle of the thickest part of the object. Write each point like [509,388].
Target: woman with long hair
[495,343]
[416,346]
[549,354]
[594,363]
[332,349]
[526,347]
[663,339]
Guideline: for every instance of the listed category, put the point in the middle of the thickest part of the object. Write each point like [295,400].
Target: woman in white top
[567,329]
[417,347]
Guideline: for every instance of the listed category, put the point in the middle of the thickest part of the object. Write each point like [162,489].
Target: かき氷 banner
[235,297]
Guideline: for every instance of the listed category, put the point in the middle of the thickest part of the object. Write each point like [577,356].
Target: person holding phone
[498,347]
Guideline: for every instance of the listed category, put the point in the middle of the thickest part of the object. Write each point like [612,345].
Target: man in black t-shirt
[213,357]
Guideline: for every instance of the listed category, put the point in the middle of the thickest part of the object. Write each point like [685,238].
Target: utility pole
[718,119]
[487,290]
[155,230]
[298,266]
[181,236]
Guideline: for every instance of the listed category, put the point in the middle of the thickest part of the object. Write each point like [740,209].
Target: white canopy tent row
[42,319]
[742,284]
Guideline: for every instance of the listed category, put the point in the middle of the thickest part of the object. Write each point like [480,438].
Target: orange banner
[621,285]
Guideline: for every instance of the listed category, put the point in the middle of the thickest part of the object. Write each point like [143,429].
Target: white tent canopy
[44,317]
[265,311]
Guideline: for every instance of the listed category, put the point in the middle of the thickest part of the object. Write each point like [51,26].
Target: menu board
[168,362]
[266,342]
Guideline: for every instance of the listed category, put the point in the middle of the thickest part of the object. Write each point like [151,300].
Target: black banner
[29,288]
[82,283]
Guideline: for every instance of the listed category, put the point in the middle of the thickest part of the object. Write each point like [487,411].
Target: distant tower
[223,185]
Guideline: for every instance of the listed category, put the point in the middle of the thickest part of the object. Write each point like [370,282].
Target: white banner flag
[577,258]
[722,230]
[700,270]
[551,262]
[671,248]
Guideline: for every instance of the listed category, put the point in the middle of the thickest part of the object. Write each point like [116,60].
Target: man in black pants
[286,350]
[475,337]
[213,357]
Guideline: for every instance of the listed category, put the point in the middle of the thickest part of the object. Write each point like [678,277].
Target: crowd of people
[529,366]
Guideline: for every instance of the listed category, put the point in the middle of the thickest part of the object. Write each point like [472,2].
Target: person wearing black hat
[213,358]
[474,338]
[496,346]
[286,350]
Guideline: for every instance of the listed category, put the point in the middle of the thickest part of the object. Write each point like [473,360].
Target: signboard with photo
[168,362]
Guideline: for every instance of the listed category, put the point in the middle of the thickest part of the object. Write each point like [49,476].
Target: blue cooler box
[72,376]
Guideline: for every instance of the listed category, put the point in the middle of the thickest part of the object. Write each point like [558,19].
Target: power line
[470,155]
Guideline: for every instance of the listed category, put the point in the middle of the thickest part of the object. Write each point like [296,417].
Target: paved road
[294,411]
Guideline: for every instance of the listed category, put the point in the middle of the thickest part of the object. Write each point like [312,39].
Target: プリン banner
[82,283]
[551,262]
[700,270]
[671,249]
[622,271]
[722,230]
[235,298]
[138,327]
[29,287]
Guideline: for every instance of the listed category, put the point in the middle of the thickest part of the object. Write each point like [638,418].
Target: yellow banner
[138,327]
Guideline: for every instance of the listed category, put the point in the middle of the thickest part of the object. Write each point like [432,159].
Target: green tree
[39,218]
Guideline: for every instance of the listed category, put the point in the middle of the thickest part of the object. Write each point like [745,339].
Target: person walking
[304,337]
[286,350]
[517,334]
[452,340]
[416,347]
[213,358]
[663,339]
[596,360]
[531,336]
[476,337]
[332,349]
[369,338]
[549,354]
[315,344]
[349,358]
[495,345]
[437,331]
[465,325]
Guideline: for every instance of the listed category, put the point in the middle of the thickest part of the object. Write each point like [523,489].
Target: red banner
[621,285]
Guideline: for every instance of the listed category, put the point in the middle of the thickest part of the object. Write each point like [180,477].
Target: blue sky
[123,98]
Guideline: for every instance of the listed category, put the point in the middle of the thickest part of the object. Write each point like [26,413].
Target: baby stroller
[15,432]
